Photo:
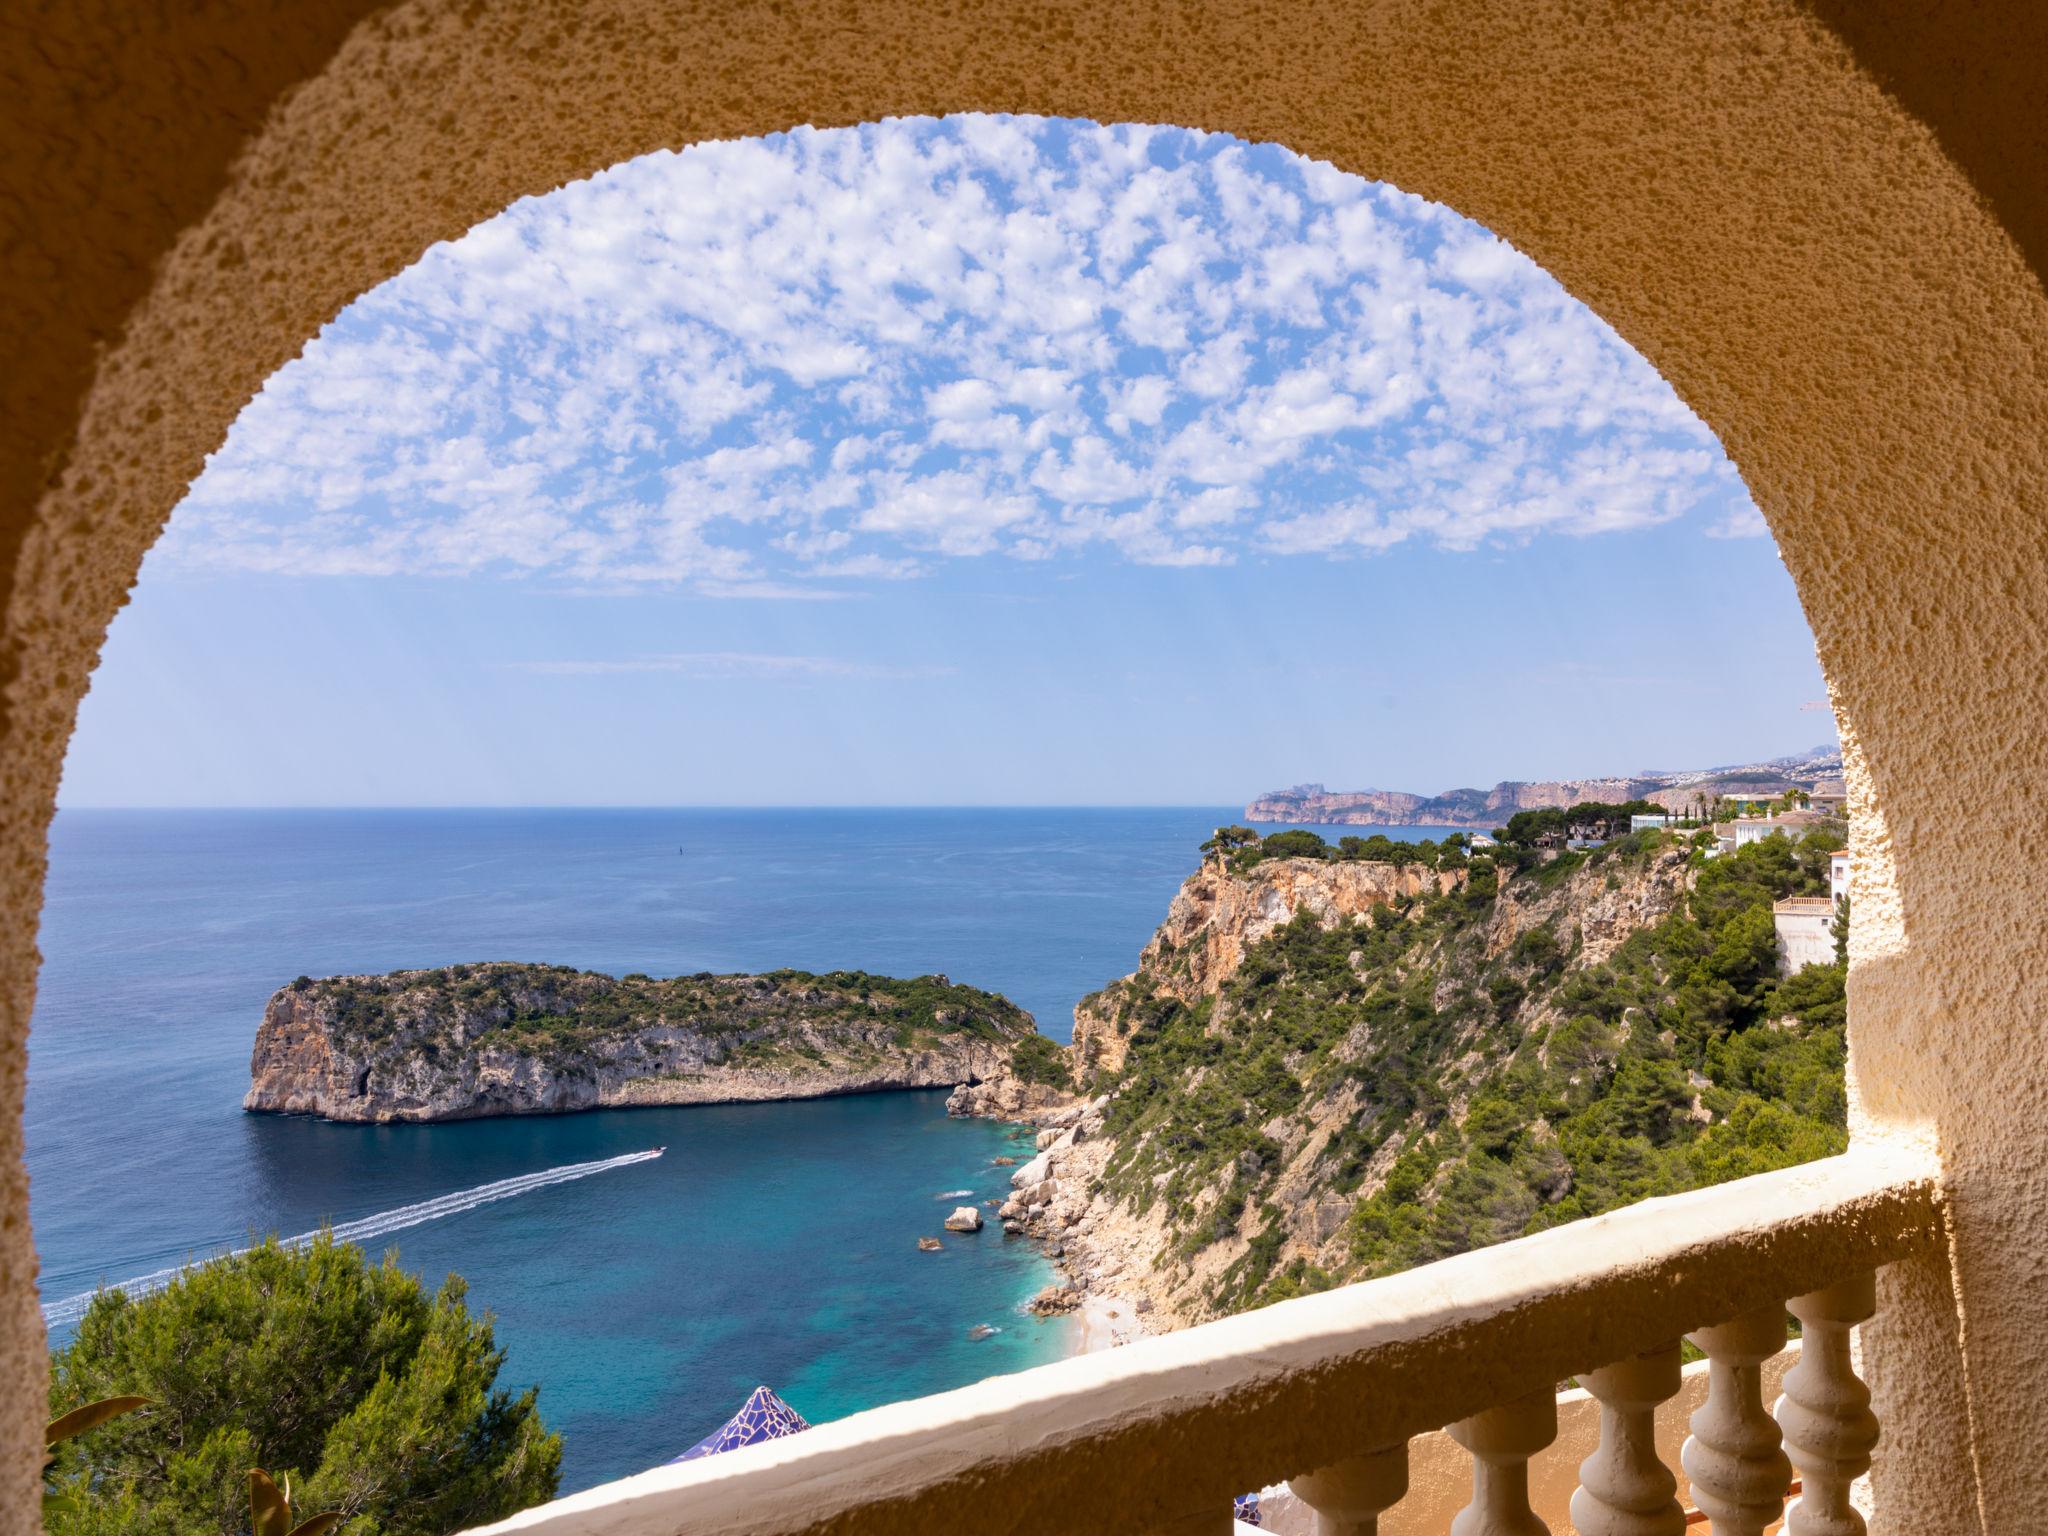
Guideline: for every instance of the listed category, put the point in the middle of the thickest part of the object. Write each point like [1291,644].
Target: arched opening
[1765,242]
[993,462]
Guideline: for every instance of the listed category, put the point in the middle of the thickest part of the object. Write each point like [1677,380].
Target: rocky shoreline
[1101,1260]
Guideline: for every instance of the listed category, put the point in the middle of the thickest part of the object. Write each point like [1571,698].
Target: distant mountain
[1312,803]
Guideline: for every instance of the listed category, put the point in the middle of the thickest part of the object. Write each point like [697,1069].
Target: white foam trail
[72,1308]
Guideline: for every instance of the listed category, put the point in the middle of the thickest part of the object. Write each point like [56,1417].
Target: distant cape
[1314,804]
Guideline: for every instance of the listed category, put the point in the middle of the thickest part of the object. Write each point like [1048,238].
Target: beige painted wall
[1824,222]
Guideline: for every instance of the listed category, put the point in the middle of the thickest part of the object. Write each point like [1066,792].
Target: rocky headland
[1488,808]
[1107,1259]
[1323,1070]
[504,1038]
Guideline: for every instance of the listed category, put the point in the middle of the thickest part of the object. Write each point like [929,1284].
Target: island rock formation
[504,1038]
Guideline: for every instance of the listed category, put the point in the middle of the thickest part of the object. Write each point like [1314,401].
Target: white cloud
[1744,522]
[753,367]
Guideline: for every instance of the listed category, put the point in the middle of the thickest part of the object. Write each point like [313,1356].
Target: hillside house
[1806,931]
[1744,830]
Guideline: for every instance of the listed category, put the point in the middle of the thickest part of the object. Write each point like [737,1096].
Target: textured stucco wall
[1825,224]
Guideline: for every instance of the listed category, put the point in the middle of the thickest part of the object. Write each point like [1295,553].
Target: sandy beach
[1105,1322]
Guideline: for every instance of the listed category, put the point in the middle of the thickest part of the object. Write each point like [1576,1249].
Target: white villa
[1806,931]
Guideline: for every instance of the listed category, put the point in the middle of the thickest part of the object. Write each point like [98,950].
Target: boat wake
[72,1308]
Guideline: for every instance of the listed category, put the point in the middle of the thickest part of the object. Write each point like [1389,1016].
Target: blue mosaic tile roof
[763,1416]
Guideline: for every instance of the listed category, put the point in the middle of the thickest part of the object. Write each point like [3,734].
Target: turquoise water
[769,1244]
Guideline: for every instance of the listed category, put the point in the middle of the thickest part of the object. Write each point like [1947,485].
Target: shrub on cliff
[1035,1059]
[377,1400]
[1332,1066]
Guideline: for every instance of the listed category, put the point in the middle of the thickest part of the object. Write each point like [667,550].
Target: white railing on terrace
[1327,1390]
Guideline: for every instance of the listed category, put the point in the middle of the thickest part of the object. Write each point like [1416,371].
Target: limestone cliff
[1215,916]
[1328,1070]
[506,1039]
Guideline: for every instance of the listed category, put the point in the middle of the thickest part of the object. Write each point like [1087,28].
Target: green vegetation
[1460,1082]
[557,1013]
[353,1386]
[1035,1059]
[1245,849]
[1588,818]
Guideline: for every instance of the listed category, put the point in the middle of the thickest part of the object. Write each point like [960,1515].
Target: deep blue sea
[770,1244]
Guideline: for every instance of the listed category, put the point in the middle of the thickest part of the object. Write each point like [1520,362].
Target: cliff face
[1215,916]
[1287,1103]
[1198,1187]
[506,1039]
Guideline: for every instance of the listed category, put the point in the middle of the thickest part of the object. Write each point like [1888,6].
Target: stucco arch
[1825,225]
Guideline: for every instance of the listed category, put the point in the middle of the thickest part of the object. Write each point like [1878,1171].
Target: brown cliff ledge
[504,1038]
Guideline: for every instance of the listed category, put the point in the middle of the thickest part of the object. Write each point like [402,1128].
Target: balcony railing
[1327,1390]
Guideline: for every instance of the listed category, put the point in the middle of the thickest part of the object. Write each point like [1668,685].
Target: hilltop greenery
[554,1011]
[1455,1095]
[1245,849]
[375,1399]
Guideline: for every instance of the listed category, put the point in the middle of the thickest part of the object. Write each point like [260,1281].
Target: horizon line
[607,805]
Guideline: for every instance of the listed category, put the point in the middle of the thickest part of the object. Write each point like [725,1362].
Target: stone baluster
[1349,1497]
[1501,1441]
[1825,1411]
[1624,1489]
[1739,1471]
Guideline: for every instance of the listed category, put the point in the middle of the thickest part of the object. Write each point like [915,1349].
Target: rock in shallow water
[1055,1299]
[965,1218]
[929,1245]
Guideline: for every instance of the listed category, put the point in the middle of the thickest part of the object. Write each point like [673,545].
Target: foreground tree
[373,1399]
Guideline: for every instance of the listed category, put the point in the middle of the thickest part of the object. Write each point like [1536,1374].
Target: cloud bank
[779,367]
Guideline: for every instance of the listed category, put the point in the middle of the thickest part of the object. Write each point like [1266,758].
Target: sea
[768,1244]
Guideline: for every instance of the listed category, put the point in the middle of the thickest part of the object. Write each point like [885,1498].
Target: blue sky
[988,461]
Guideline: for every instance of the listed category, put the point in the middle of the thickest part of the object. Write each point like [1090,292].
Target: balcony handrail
[1137,1437]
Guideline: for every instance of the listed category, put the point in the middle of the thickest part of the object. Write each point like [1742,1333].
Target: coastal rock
[505,1039]
[965,1218]
[1002,1096]
[1033,1173]
[1054,1300]
[979,1332]
[929,1245]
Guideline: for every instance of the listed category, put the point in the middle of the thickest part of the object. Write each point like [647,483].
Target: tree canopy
[375,1399]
